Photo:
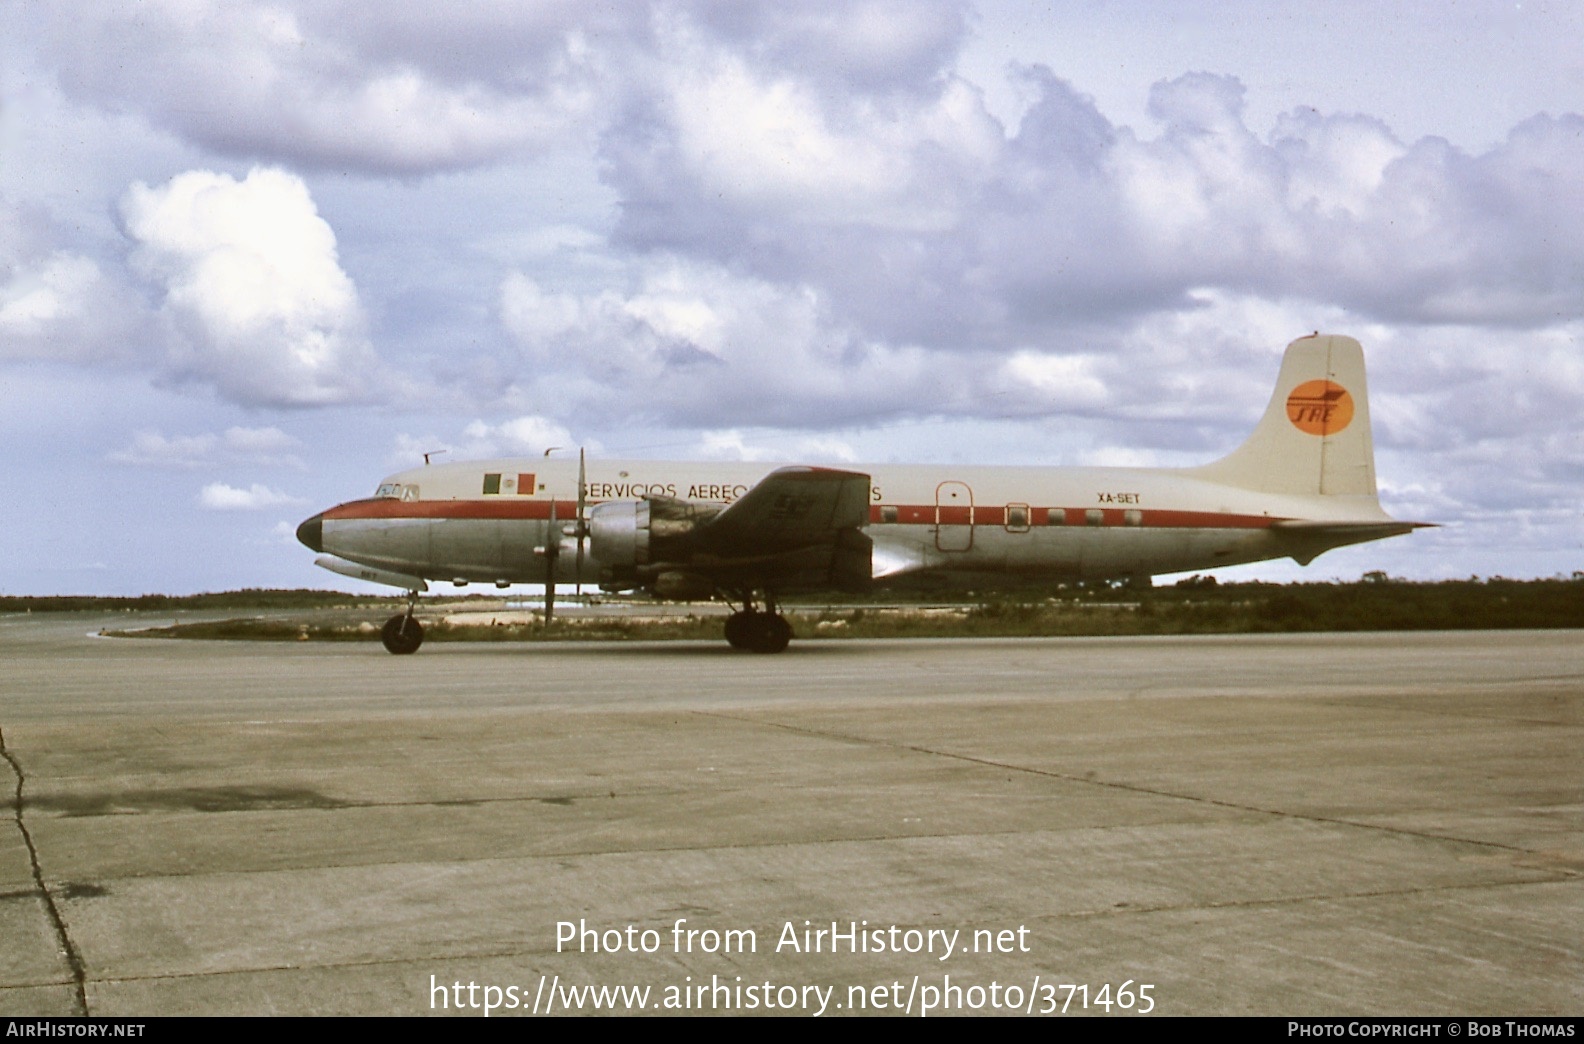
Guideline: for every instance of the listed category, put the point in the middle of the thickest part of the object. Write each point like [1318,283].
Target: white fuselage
[481,522]
[1301,483]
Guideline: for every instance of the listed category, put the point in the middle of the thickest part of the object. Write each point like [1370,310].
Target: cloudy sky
[255,255]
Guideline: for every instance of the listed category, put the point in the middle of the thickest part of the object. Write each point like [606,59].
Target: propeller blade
[582,504]
[552,549]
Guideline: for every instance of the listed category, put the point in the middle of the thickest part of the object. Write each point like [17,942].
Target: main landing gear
[402,633]
[758,630]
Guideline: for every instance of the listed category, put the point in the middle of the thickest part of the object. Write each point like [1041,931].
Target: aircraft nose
[311,533]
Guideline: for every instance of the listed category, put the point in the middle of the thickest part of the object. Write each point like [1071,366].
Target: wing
[790,508]
[799,527]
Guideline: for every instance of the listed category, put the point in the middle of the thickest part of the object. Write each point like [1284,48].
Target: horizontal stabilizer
[1307,539]
[1363,530]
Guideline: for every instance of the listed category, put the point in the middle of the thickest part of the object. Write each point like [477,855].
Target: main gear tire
[737,627]
[769,633]
[402,635]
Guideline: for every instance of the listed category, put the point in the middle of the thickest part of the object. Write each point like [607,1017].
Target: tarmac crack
[57,922]
[1128,787]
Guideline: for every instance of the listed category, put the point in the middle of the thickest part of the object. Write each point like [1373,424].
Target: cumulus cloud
[519,436]
[1495,425]
[267,446]
[217,496]
[264,444]
[412,89]
[404,89]
[57,303]
[253,288]
[33,301]
[151,449]
[734,444]
[1059,381]
[924,220]
[778,144]
[699,345]
[868,46]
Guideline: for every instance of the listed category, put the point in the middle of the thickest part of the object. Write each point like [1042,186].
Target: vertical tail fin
[1315,435]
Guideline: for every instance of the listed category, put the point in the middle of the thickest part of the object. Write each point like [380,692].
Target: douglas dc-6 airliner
[1303,483]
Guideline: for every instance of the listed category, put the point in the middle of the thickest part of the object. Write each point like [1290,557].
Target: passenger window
[1094,516]
[888,514]
[492,483]
[1056,517]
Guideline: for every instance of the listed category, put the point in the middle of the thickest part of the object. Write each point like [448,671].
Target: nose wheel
[402,633]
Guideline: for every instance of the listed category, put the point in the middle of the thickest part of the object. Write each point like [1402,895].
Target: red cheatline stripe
[906,514]
[1039,518]
[384,507]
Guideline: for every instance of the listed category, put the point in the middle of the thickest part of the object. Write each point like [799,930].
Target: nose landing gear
[402,633]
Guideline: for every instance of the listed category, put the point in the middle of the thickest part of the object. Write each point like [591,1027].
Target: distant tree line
[1195,605]
[248,598]
[1380,603]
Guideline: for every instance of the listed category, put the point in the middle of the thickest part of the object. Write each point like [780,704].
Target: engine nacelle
[627,535]
[650,543]
[619,534]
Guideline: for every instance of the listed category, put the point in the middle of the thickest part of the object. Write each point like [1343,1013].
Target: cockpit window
[397,491]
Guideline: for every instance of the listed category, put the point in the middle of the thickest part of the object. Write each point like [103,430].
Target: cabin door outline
[954,517]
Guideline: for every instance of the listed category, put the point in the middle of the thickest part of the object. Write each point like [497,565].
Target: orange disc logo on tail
[1320,407]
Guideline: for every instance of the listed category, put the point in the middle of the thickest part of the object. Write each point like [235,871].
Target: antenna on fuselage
[431,453]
